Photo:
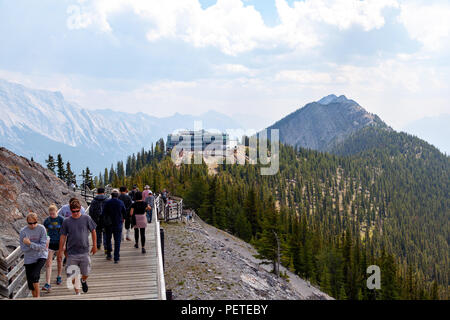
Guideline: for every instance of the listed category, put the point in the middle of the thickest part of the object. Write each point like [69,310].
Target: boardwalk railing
[174,209]
[88,195]
[12,275]
[159,208]
[171,210]
[160,262]
[158,212]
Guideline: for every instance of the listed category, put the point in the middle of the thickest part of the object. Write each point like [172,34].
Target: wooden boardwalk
[136,276]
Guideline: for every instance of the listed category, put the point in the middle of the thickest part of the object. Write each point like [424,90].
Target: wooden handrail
[174,210]
[13,272]
[11,257]
[160,266]
[11,278]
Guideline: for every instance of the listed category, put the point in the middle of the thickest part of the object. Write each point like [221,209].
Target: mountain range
[36,123]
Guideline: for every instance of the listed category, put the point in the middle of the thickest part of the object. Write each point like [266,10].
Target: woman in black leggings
[34,245]
[138,215]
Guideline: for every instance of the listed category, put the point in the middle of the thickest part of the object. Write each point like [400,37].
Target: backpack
[132,195]
[106,221]
[96,210]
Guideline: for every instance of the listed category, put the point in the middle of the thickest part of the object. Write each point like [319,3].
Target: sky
[261,58]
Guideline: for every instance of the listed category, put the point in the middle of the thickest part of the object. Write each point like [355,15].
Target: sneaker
[47,287]
[143,250]
[78,294]
[58,280]
[109,257]
[116,261]
[84,286]
[136,246]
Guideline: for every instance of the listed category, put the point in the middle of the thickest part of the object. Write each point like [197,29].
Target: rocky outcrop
[25,186]
[321,125]
[205,263]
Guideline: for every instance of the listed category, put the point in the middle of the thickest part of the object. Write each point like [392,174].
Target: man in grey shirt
[76,229]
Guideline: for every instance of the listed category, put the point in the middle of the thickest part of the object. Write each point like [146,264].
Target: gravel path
[205,263]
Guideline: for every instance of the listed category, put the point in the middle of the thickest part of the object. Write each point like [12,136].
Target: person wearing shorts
[75,232]
[33,242]
[53,225]
[65,213]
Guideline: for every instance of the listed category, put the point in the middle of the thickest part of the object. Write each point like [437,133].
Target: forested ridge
[382,198]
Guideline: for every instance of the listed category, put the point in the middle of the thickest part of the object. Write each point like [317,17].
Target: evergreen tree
[106,178]
[269,241]
[60,167]
[51,163]
[70,176]
[251,210]
[196,196]
[388,278]
[434,291]
[88,180]
[243,227]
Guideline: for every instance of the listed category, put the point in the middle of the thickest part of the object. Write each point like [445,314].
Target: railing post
[160,264]
[161,233]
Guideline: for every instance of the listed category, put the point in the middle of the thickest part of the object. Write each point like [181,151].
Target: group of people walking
[66,233]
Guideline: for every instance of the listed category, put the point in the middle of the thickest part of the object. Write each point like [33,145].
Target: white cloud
[233,69]
[427,23]
[304,77]
[339,13]
[404,76]
[230,25]
[399,89]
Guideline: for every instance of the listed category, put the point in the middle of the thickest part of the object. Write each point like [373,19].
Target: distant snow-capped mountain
[36,123]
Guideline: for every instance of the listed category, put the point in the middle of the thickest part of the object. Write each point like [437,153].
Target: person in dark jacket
[132,193]
[114,213]
[126,199]
[165,196]
[95,212]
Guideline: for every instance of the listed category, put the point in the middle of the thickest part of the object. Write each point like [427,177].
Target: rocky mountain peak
[332,98]
[328,99]
[320,125]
